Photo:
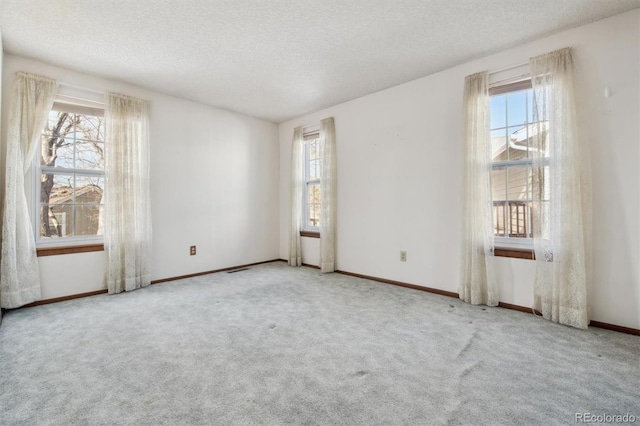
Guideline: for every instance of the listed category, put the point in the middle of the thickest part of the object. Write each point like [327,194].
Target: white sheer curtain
[477,285]
[127,238]
[561,200]
[19,273]
[328,191]
[297,166]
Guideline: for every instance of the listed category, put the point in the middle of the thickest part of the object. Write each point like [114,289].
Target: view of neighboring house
[75,217]
[511,186]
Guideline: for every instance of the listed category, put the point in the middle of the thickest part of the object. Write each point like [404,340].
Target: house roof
[528,131]
[64,194]
[517,139]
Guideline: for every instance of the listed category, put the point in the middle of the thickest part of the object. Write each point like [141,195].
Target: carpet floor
[277,345]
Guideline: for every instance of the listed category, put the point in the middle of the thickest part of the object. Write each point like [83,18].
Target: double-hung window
[516,120]
[70,181]
[312,178]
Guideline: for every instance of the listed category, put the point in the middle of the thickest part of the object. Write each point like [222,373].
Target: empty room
[368,212]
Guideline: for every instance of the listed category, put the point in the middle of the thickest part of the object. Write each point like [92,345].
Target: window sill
[54,251]
[310,234]
[516,253]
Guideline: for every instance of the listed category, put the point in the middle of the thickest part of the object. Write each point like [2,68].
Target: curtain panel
[297,168]
[33,98]
[127,238]
[561,198]
[477,281]
[328,185]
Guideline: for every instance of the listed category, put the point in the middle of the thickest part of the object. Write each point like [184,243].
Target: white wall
[399,172]
[214,184]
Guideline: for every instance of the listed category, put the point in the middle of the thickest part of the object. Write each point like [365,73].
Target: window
[514,166]
[70,177]
[312,176]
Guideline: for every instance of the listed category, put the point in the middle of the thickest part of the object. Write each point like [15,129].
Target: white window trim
[78,105]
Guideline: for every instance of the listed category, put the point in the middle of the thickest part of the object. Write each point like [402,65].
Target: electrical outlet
[403,256]
[192,250]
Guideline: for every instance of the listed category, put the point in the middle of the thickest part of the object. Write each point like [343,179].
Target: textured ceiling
[279,59]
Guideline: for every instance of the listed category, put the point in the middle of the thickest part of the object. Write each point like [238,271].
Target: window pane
[59,188]
[498,111]
[56,188]
[89,155]
[314,215]
[314,170]
[518,188]
[498,144]
[498,185]
[517,142]
[88,220]
[516,108]
[56,221]
[90,127]
[540,188]
[518,179]
[59,124]
[518,220]
[499,219]
[498,195]
[56,152]
[314,149]
[313,203]
[314,193]
[89,189]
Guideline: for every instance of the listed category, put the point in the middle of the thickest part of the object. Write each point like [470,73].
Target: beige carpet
[278,345]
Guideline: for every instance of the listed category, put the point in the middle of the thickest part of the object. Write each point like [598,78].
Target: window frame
[505,244]
[74,244]
[309,134]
